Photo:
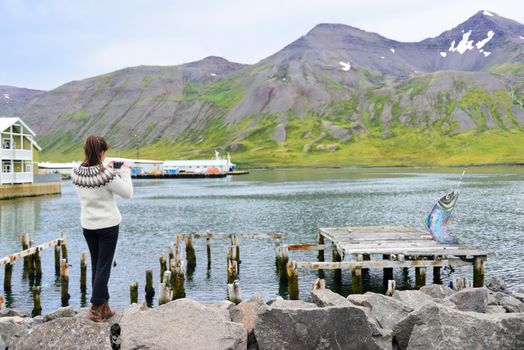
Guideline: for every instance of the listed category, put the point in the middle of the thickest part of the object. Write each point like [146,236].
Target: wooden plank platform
[388,240]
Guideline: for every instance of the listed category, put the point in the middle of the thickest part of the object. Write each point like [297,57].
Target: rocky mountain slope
[13,97]
[336,96]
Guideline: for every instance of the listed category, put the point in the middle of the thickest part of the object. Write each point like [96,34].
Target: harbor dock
[389,247]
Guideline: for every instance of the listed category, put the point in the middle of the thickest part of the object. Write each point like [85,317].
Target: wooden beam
[308,246]
[9,259]
[379,264]
[253,235]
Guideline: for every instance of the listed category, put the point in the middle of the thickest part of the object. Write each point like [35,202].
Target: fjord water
[489,215]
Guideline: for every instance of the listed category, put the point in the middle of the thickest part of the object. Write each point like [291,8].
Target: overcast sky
[46,43]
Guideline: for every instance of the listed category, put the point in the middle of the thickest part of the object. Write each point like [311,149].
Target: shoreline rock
[411,319]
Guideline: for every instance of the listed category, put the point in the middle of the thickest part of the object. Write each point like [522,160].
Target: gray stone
[471,299]
[387,310]
[412,298]
[332,327]
[508,302]
[325,297]
[224,307]
[495,309]
[246,314]
[67,311]
[357,299]
[65,333]
[434,326]
[497,284]
[11,329]
[292,304]
[180,324]
[520,290]
[437,291]
[519,296]
[13,312]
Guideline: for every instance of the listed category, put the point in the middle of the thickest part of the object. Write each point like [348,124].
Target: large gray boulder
[245,313]
[333,327]
[65,333]
[292,304]
[434,326]
[179,325]
[387,310]
[13,313]
[471,299]
[11,329]
[507,301]
[437,291]
[67,311]
[497,284]
[325,297]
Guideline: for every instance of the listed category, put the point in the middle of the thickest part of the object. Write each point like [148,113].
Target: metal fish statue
[438,218]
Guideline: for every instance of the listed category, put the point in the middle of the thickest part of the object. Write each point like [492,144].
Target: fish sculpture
[437,220]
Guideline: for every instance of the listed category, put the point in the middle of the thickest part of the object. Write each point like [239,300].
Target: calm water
[489,215]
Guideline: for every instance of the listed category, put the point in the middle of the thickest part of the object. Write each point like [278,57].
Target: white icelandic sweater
[96,191]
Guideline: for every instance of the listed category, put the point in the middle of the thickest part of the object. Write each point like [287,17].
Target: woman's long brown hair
[93,148]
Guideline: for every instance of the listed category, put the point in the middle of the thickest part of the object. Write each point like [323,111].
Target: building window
[29,168]
[6,144]
[6,167]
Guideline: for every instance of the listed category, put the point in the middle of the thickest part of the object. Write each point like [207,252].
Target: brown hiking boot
[96,313]
[107,311]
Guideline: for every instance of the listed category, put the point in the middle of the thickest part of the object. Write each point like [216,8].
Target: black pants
[102,245]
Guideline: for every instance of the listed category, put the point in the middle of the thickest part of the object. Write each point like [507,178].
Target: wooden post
[8,274]
[319,284]
[150,291]
[235,244]
[190,252]
[232,270]
[337,273]
[133,292]
[178,280]
[357,284]
[320,252]
[37,306]
[25,246]
[57,260]
[37,264]
[233,292]
[420,277]
[163,267]
[208,249]
[391,288]
[64,282]
[282,258]
[165,290]
[83,272]
[63,246]
[292,280]
[478,272]
[388,271]
[31,261]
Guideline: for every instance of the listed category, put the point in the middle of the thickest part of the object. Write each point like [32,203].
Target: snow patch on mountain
[213,74]
[486,53]
[522,37]
[483,42]
[6,96]
[443,54]
[464,45]
[345,66]
[487,13]
[392,50]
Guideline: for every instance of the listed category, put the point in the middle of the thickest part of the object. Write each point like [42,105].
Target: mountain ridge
[318,99]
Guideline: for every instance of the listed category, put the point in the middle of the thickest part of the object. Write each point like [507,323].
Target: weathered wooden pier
[387,248]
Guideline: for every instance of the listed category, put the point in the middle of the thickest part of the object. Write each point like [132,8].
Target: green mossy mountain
[337,96]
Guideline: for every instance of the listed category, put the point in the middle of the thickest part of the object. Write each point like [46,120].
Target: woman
[96,185]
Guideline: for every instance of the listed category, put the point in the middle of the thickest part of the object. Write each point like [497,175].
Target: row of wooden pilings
[32,268]
[173,270]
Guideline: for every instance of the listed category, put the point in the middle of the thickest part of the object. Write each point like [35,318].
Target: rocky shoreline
[434,317]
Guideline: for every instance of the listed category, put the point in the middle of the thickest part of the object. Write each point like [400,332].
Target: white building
[46,168]
[18,152]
